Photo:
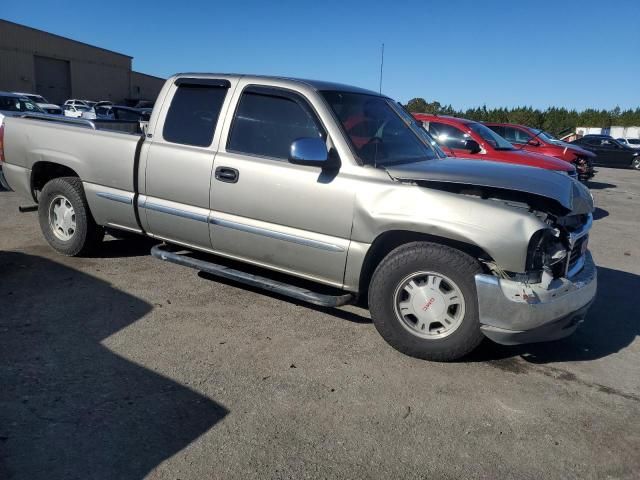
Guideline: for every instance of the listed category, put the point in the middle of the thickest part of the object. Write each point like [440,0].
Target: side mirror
[533,142]
[310,151]
[472,146]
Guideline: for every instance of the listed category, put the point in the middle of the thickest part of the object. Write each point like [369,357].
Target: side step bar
[323,300]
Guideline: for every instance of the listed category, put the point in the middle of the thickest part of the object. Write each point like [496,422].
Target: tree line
[554,120]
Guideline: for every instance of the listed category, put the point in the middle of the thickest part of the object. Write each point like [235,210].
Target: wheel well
[388,241]
[43,172]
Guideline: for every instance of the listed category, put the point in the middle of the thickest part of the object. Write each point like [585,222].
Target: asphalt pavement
[123,366]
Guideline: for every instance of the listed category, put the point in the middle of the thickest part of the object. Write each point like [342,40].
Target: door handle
[227,174]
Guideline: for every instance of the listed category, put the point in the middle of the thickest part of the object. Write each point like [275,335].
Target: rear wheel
[423,301]
[65,219]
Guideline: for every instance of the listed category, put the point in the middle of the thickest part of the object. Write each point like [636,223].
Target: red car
[539,141]
[459,137]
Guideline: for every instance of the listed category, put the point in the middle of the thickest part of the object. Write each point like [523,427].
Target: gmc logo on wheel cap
[428,304]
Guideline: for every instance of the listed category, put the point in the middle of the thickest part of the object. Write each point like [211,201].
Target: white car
[630,142]
[42,102]
[78,111]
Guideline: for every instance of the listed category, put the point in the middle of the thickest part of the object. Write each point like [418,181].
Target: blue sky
[576,54]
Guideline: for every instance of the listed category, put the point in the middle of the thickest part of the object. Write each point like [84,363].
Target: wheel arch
[44,171]
[392,239]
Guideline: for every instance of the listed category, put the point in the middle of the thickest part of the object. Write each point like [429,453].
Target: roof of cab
[318,85]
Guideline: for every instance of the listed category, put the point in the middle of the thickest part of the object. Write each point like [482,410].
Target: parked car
[610,152]
[538,141]
[144,104]
[469,139]
[13,104]
[336,185]
[76,110]
[630,142]
[42,102]
[84,103]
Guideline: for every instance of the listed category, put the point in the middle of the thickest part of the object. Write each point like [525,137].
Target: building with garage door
[34,61]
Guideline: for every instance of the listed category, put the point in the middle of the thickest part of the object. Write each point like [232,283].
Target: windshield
[380,133]
[634,141]
[491,137]
[18,104]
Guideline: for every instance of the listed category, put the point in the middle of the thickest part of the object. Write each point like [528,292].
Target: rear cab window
[194,111]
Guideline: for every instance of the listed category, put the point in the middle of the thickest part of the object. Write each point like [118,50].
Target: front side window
[448,135]
[515,135]
[193,114]
[267,121]
[379,134]
[491,137]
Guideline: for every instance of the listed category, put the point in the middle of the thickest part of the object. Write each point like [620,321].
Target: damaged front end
[550,297]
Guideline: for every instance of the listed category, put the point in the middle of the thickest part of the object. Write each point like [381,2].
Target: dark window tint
[266,124]
[515,135]
[448,135]
[193,115]
[498,129]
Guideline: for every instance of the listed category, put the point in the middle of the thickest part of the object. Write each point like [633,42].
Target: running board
[323,300]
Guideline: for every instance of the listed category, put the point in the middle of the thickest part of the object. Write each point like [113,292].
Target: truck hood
[521,183]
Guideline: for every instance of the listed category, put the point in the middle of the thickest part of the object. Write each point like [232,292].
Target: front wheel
[636,164]
[3,181]
[423,301]
[65,219]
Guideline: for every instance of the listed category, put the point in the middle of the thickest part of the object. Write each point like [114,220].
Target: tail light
[1,143]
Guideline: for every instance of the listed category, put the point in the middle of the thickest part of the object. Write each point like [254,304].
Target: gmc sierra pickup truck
[336,190]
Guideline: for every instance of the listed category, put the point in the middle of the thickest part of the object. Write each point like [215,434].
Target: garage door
[53,79]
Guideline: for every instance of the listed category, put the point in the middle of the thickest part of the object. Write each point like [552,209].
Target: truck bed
[111,146]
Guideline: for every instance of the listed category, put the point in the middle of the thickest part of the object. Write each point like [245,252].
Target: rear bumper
[513,313]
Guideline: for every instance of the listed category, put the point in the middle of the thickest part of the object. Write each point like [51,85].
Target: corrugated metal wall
[95,73]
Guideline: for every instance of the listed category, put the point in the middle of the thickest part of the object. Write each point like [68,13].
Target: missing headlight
[546,251]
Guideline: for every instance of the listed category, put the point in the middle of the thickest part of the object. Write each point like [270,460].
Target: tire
[636,164]
[74,232]
[391,301]
[3,182]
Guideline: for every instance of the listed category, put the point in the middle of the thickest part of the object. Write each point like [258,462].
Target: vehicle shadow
[134,246]
[336,312]
[613,323]
[599,213]
[69,406]
[600,185]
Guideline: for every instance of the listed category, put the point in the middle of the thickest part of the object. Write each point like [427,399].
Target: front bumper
[513,312]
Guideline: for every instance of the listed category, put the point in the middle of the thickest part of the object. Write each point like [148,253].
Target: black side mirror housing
[472,146]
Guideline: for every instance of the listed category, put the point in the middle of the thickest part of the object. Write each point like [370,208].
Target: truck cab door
[267,211]
[179,161]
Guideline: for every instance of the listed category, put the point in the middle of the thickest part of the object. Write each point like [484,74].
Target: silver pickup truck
[335,192]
